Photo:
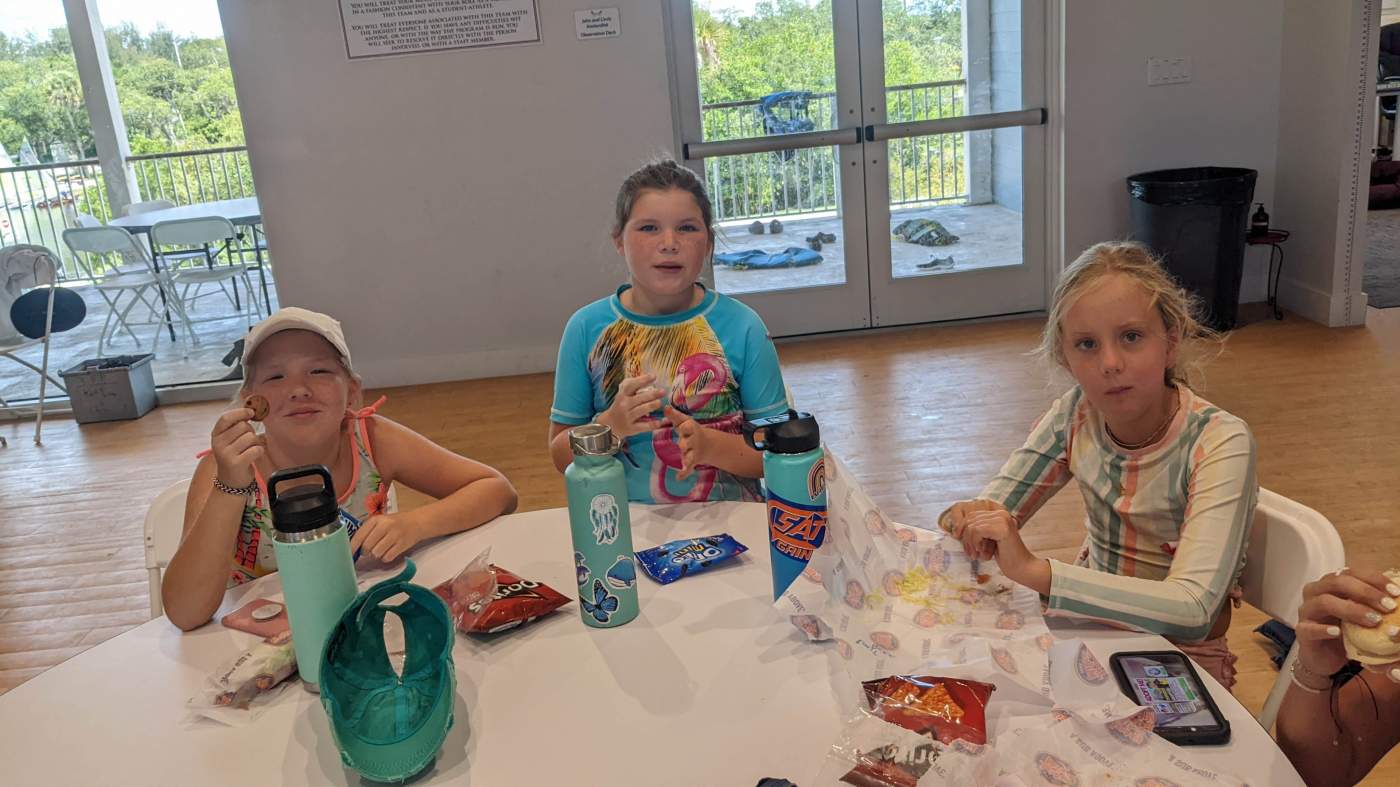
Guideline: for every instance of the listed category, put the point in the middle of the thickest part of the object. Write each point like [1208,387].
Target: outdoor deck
[989,236]
[174,363]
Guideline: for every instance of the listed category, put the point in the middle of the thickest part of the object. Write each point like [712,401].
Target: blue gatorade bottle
[794,475]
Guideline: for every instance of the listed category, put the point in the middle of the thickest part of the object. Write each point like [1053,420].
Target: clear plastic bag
[245,686]
[872,752]
[485,599]
[470,589]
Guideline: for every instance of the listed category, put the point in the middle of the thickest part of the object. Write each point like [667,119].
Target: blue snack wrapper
[673,560]
[351,524]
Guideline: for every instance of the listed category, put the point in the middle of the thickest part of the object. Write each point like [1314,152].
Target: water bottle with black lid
[313,561]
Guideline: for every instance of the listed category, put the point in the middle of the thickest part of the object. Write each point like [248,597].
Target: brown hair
[662,175]
[1180,311]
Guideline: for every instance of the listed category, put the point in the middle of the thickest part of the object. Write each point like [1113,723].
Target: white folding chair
[147,206]
[144,283]
[173,258]
[261,261]
[1290,546]
[26,267]
[165,522]
[204,232]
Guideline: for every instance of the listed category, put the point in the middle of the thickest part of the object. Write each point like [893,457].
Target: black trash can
[1196,219]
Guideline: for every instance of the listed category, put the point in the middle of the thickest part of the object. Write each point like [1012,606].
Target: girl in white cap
[296,367]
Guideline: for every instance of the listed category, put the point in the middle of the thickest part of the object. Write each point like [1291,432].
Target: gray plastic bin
[119,388]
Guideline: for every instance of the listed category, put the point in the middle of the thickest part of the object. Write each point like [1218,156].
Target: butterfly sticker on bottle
[603,605]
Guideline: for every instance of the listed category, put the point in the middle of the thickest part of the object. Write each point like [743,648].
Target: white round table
[708,686]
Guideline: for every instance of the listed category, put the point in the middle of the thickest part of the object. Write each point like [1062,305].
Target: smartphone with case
[1166,681]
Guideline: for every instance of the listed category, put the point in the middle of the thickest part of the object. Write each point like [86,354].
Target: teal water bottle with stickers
[794,474]
[602,529]
[313,561]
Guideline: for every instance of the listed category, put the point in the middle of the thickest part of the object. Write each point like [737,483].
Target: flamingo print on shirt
[690,366]
[714,362]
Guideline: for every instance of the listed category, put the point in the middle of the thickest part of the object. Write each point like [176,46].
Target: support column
[100,96]
[977,69]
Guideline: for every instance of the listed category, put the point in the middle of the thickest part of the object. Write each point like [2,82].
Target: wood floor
[922,416]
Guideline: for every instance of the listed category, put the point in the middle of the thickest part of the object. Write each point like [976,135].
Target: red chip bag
[485,598]
[948,709]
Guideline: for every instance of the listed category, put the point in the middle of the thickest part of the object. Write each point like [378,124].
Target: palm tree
[64,95]
[708,32]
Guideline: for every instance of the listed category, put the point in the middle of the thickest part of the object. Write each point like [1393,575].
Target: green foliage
[176,93]
[788,45]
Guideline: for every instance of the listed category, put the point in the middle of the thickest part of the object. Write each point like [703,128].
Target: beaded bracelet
[236,491]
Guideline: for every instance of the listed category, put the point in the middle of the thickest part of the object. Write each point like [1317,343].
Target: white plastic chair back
[147,206]
[104,240]
[165,522]
[193,232]
[1290,546]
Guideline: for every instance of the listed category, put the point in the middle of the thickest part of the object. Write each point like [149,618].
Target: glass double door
[871,163]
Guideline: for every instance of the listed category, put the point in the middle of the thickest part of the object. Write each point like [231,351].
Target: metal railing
[924,170]
[188,176]
[39,201]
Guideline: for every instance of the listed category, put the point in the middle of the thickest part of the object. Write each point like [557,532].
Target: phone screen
[1167,686]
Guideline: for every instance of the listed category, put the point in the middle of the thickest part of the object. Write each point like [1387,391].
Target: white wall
[451,209]
[1115,125]
[1323,155]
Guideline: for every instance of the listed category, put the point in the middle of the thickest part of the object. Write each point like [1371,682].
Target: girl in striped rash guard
[1168,479]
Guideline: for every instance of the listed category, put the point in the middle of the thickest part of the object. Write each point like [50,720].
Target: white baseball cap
[292,318]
